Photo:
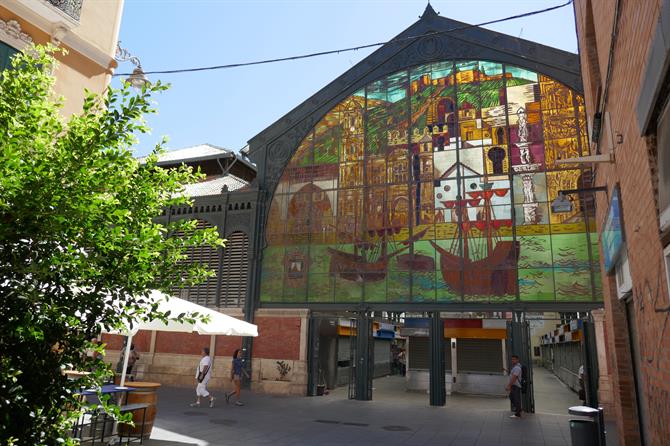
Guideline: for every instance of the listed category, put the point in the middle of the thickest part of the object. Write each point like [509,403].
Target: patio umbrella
[219,324]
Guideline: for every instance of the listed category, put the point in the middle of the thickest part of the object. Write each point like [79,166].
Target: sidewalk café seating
[92,425]
[96,425]
[129,408]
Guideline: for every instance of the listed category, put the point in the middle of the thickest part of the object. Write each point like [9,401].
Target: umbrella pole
[125,361]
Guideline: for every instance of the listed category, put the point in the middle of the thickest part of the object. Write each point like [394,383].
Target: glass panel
[321,288]
[536,284]
[272,274]
[573,284]
[413,188]
[535,251]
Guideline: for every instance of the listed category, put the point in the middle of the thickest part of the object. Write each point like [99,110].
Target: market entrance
[439,358]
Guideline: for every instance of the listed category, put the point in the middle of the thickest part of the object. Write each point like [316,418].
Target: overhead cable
[356,48]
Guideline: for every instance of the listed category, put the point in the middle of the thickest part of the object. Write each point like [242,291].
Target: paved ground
[394,417]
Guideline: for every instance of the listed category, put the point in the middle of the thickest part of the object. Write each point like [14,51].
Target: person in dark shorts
[236,370]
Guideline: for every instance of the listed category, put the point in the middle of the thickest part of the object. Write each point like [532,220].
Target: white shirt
[206,361]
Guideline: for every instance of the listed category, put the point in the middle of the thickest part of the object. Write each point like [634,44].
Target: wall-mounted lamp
[137,78]
[562,204]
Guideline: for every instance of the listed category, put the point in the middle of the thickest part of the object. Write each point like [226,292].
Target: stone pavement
[394,417]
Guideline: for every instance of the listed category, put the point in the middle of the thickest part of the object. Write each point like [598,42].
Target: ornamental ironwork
[69,7]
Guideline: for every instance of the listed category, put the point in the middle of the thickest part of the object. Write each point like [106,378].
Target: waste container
[587,432]
[583,433]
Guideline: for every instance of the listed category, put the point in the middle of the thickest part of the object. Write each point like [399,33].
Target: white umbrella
[219,324]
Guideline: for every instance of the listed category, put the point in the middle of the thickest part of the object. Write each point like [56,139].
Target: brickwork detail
[635,172]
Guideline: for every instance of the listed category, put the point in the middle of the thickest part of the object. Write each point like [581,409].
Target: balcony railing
[69,7]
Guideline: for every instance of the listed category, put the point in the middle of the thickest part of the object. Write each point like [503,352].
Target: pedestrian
[582,389]
[236,370]
[514,386]
[133,356]
[402,360]
[202,375]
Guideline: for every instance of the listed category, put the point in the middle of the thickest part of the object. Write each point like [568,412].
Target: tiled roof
[201,151]
[213,186]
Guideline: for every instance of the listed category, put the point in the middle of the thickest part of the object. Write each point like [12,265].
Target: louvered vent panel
[204,293]
[234,271]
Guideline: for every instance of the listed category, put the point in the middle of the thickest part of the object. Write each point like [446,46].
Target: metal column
[590,358]
[313,355]
[364,357]
[518,343]
[438,391]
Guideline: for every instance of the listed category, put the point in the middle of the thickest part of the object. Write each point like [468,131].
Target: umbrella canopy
[218,324]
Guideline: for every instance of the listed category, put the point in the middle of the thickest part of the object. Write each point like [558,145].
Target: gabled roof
[201,152]
[214,186]
[432,38]
[194,153]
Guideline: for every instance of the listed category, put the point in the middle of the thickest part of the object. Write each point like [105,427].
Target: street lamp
[137,78]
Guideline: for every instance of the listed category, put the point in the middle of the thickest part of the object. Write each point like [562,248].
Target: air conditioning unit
[624,282]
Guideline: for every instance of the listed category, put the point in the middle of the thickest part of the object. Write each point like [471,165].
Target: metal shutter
[419,353]
[205,292]
[479,355]
[235,270]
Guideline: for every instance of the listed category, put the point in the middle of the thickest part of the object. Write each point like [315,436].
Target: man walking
[514,386]
[202,375]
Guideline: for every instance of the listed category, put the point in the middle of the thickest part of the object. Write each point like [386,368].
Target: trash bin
[583,433]
[586,432]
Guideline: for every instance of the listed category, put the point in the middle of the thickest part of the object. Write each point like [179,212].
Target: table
[106,389]
[86,426]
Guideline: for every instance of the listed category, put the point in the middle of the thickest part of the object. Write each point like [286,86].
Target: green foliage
[80,245]
[283,368]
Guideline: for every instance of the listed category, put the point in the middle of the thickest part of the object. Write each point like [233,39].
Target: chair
[131,408]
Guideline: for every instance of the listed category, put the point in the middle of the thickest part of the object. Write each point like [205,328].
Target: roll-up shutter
[419,353]
[235,270]
[479,355]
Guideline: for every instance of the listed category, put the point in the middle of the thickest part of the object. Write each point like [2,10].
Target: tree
[80,246]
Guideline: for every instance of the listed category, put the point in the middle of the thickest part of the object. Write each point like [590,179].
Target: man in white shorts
[202,375]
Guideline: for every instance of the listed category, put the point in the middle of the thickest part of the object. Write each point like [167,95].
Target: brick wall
[281,338]
[172,360]
[632,171]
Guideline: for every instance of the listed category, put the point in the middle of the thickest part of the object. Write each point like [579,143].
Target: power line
[356,48]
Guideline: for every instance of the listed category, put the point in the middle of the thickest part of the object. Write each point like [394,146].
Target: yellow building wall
[99,27]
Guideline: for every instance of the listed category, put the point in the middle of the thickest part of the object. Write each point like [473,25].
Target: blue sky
[228,107]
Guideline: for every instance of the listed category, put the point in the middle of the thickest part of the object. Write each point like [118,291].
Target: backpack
[524,378]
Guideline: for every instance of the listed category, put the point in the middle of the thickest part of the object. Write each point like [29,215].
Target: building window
[6,53]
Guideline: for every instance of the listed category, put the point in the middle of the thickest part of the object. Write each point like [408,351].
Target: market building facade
[420,182]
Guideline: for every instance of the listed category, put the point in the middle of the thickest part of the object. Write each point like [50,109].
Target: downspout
[610,65]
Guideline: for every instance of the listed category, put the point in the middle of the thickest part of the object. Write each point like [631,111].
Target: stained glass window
[434,184]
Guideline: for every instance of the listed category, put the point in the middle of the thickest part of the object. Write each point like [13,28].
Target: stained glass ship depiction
[433,184]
